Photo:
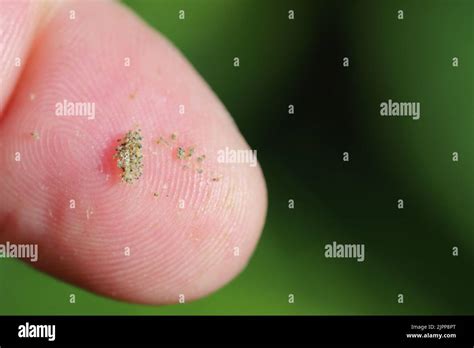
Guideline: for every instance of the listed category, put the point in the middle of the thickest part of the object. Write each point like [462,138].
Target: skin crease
[174,250]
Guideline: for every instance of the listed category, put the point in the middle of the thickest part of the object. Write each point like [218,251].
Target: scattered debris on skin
[35,135]
[187,155]
[156,194]
[180,153]
[190,152]
[129,156]
[162,140]
[199,161]
[89,212]
[183,154]
[216,178]
[132,95]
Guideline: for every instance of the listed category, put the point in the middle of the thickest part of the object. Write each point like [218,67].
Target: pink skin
[173,250]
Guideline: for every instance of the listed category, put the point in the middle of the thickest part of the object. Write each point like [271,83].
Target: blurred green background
[299,62]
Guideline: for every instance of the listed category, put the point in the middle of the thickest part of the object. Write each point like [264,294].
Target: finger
[186,226]
[19,21]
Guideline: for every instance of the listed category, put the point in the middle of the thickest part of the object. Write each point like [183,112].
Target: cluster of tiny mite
[129,156]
